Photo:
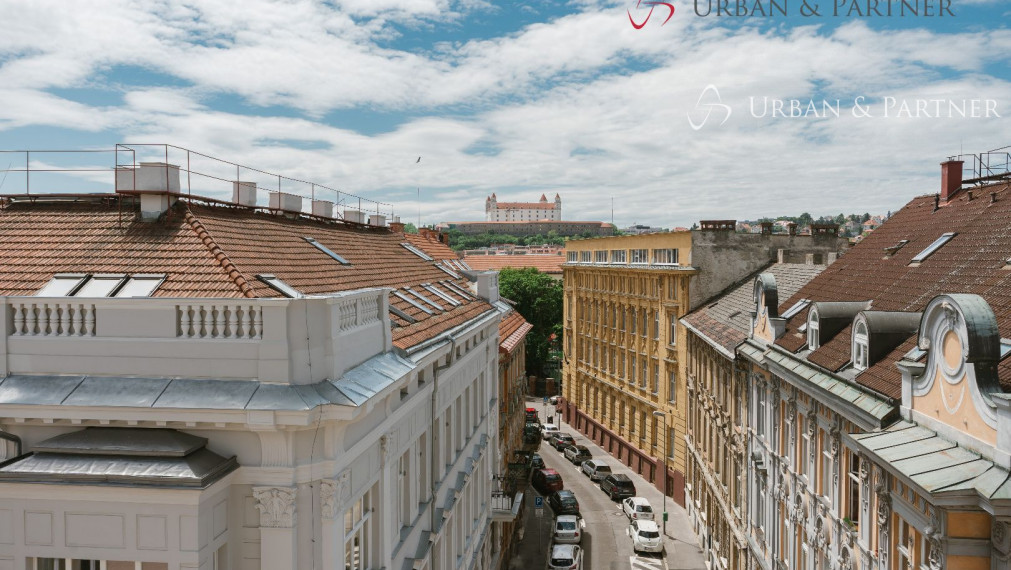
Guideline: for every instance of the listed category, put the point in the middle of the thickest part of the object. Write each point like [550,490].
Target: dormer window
[860,346]
[932,248]
[812,331]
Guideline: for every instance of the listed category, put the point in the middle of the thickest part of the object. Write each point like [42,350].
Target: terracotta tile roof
[551,264]
[973,261]
[835,353]
[215,251]
[888,379]
[512,329]
[433,247]
[726,319]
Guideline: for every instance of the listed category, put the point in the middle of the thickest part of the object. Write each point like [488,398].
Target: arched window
[812,330]
[860,346]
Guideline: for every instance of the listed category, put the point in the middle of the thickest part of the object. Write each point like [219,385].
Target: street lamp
[666,437]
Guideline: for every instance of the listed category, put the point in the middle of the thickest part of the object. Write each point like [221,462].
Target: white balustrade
[357,309]
[49,317]
[219,320]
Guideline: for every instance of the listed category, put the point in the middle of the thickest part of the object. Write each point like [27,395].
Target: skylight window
[796,308]
[938,243]
[62,285]
[424,298]
[431,288]
[140,286]
[403,315]
[890,250]
[100,286]
[457,289]
[417,252]
[1005,348]
[327,251]
[449,272]
[917,353]
[413,303]
[280,286]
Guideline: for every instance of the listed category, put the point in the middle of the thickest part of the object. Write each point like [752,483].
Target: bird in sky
[417,161]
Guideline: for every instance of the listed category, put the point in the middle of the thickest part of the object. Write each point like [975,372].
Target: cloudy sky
[673,121]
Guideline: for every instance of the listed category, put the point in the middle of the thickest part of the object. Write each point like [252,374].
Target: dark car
[547,481]
[617,486]
[577,454]
[532,433]
[562,440]
[564,503]
[536,462]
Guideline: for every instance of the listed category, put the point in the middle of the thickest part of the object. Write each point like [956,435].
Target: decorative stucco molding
[328,498]
[276,506]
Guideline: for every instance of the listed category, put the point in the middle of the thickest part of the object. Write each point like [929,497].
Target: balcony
[505,508]
[290,341]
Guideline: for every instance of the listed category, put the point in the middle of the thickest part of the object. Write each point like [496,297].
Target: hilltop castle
[495,211]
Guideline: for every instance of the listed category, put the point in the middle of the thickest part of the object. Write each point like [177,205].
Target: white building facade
[542,210]
[351,429]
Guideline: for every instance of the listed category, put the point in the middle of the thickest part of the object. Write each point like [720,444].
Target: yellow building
[624,297]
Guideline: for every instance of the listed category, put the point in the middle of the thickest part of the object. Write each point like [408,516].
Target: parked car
[553,400]
[565,557]
[567,530]
[596,469]
[536,461]
[577,454]
[645,536]
[532,433]
[547,481]
[637,508]
[617,486]
[532,415]
[547,430]
[562,440]
[564,503]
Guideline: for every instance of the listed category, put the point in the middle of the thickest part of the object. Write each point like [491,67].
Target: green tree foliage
[459,241]
[410,228]
[538,298]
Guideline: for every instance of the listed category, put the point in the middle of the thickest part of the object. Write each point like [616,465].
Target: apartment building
[186,383]
[716,484]
[878,413]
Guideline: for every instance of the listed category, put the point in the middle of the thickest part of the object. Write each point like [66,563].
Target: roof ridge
[219,254]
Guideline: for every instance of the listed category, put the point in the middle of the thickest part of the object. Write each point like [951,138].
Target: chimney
[322,208]
[377,220]
[766,228]
[444,238]
[780,255]
[951,179]
[426,233]
[285,202]
[792,228]
[244,193]
[397,227]
[354,216]
[157,184]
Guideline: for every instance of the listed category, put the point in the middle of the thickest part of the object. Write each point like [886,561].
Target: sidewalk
[683,550]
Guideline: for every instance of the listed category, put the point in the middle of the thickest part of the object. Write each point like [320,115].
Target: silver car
[645,536]
[565,557]
[596,469]
[567,530]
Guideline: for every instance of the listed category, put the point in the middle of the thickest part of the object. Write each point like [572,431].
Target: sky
[670,119]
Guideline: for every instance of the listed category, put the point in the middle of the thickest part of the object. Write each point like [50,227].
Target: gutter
[452,333]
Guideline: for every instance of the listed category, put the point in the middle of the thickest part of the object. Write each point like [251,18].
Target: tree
[539,298]
[410,228]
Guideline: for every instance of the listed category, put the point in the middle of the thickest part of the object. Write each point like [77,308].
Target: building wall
[529,228]
[616,315]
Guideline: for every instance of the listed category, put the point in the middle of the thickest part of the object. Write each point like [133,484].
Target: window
[417,251]
[860,346]
[456,289]
[413,303]
[938,243]
[853,494]
[330,253]
[665,256]
[634,313]
[584,256]
[618,256]
[645,373]
[100,286]
[440,294]
[424,298]
[796,308]
[631,421]
[61,285]
[827,466]
[812,331]
[600,256]
[631,369]
[571,256]
[672,385]
[671,442]
[656,377]
[656,325]
[140,286]
[639,255]
[448,271]
[279,286]
[402,315]
[760,413]
[358,535]
[672,338]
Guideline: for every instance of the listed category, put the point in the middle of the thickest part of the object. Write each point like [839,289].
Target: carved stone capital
[328,498]
[1000,537]
[276,506]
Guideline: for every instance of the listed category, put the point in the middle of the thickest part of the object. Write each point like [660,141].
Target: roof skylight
[440,294]
[413,303]
[449,272]
[424,298]
[457,289]
[796,308]
[1005,348]
[100,286]
[403,315]
[140,286]
[938,243]
[280,286]
[62,285]
[327,251]
[915,354]
[417,252]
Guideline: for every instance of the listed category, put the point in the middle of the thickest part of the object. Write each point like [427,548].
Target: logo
[651,4]
[706,108]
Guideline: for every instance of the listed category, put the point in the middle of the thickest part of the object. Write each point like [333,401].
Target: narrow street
[605,542]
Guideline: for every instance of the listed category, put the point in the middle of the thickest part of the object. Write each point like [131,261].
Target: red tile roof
[433,247]
[551,264]
[974,261]
[216,251]
[512,329]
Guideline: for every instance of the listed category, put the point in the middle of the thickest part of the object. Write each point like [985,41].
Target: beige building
[623,299]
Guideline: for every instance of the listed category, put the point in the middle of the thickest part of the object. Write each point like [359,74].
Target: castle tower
[556,214]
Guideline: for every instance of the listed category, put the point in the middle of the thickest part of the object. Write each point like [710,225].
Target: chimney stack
[157,184]
[791,228]
[397,227]
[951,179]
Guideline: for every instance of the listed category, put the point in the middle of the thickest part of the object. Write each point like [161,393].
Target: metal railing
[63,172]
[987,166]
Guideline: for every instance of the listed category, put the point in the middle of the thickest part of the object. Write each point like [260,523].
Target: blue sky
[515,98]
